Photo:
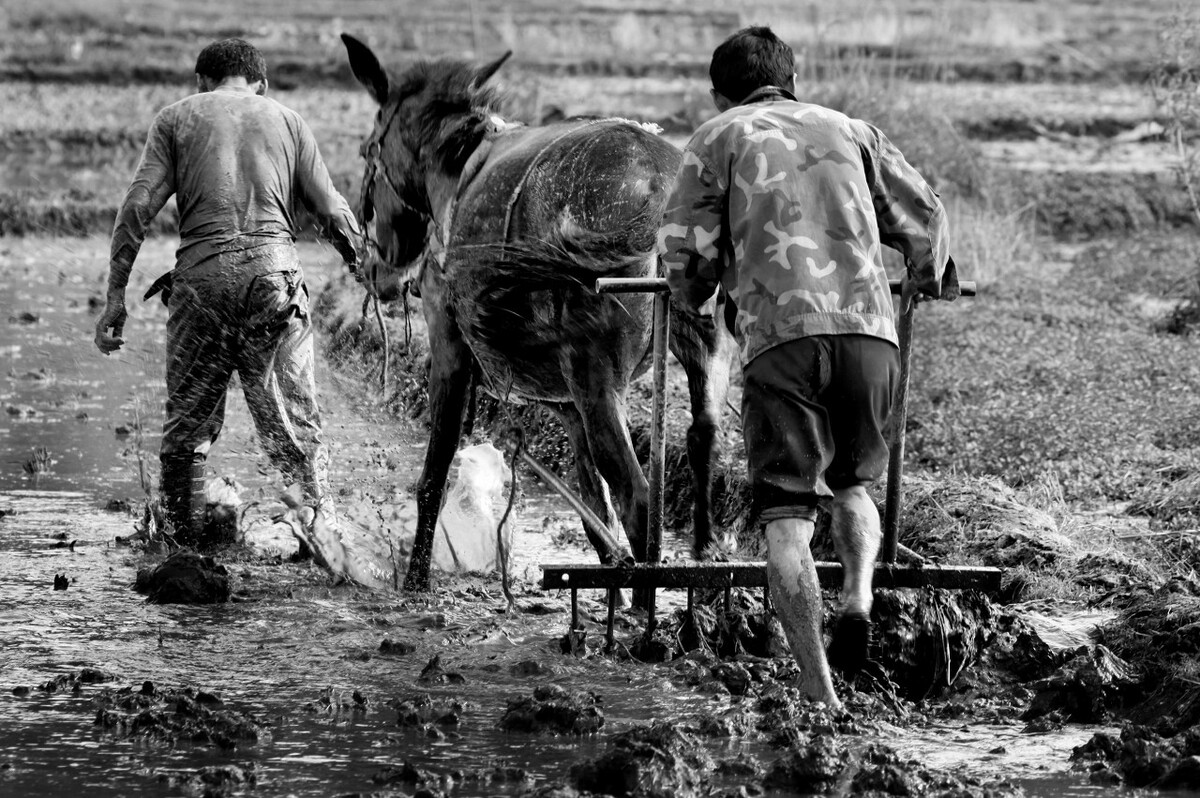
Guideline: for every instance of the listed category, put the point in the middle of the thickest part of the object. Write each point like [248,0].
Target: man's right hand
[113,318]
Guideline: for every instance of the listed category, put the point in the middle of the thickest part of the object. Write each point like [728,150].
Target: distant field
[1004,94]
[140,40]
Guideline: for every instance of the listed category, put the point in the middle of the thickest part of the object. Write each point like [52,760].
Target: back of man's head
[750,59]
[231,58]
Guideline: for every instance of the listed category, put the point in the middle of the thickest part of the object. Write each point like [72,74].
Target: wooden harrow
[727,575]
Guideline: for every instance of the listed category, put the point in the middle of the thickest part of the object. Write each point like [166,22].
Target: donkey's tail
[522,281]
[567,255]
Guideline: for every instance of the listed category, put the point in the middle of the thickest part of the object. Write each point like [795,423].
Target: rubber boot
[185,499]
[313,478]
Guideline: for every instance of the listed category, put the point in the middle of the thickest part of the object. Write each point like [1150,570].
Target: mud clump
[173,716]
[1087,689]
[1158,634]
[406,773]
[823,764]
[72,682]
[1142,757]
[185,578]
[217,781]
[653,760]
[746,627]
[927,638]
[552,710]
[396,648]
[1016,650]
[437,717]
[335,702]
[430,783]
[789,720]
[435,673]
[815,765]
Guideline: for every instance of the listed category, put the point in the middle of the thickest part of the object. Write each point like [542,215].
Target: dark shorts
[813,418]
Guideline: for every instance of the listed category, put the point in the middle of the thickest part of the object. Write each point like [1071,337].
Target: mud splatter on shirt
[236,162]
[787,204]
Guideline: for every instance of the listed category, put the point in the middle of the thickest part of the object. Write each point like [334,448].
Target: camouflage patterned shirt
[786,205]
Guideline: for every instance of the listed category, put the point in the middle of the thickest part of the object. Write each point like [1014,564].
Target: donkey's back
[595,174]
[550,209]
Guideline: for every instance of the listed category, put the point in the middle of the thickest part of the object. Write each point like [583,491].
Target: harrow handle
[891,510]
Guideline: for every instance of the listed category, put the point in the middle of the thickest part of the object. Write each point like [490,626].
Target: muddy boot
[849,648]
[183,495]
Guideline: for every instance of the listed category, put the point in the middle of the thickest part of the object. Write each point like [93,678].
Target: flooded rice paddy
[319,668]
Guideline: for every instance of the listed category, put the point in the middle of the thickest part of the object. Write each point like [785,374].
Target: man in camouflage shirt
[785,205]
[240,166]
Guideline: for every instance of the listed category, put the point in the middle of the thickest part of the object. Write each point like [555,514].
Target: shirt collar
[772,93]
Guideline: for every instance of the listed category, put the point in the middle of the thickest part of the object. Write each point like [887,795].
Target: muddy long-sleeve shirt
[238,164]
[786,205]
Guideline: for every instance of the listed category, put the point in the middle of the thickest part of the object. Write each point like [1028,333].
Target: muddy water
[292,649]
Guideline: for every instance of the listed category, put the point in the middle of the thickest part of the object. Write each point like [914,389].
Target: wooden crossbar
[754,574]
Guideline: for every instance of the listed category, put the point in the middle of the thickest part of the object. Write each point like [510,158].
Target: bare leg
[856,538]
[792,577]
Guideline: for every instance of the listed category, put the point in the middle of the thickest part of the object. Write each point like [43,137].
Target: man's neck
[236,83]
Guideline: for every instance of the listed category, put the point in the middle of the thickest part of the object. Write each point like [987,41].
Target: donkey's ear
[485,72]
[366,68]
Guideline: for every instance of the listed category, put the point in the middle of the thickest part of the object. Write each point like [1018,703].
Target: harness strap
[519,188]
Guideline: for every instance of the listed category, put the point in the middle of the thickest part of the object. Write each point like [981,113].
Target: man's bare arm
[338,224]
[153,184]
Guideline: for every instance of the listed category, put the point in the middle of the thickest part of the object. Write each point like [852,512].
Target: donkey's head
[431,118]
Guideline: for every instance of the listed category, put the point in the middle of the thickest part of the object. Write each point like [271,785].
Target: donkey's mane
[453,116]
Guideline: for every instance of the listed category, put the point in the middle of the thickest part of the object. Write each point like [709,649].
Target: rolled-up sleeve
[153,184]
[689,239]
[911,217]
[338,224]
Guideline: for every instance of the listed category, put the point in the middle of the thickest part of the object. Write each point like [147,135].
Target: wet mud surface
[296,685]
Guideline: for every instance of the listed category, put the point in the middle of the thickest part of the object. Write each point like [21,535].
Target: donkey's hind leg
[706,351]
[602,411]
[592,489]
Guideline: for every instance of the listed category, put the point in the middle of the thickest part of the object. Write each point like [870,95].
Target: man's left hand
[113,318]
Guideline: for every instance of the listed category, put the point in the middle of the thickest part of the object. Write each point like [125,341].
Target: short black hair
[750,59]
[232,58]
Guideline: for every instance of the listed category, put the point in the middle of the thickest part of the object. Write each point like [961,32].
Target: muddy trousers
[257,323]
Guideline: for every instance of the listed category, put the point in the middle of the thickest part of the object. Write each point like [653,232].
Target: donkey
[505,228]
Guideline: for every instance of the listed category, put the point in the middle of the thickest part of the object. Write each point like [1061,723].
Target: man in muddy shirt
[239,165]
[784,205]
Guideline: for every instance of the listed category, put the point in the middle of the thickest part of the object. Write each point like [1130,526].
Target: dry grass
[1176,504]
[1033,534]
[991,243]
